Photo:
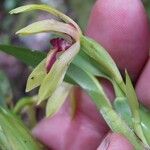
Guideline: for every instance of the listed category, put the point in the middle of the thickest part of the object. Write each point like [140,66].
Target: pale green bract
[57,99]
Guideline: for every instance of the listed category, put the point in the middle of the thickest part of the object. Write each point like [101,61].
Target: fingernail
[105,143]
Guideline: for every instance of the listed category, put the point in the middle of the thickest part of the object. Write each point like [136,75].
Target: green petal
[47,8]
[36,77]
[56,75]
[47,26]
[57,99]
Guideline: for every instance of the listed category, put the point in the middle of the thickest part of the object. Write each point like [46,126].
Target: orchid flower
[49,74]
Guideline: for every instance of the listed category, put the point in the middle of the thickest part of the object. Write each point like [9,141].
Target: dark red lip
[59,45]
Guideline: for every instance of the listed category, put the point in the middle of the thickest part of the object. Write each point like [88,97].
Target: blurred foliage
[147,6]
[81,11]
[10,4]
[14,135]
[5,90]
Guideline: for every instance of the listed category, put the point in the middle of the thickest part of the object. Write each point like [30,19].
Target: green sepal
[37,76]
[48,9]
[49,25]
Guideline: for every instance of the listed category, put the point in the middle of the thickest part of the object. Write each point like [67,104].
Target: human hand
[122,28]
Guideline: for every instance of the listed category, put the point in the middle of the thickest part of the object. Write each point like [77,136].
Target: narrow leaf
[90,84]
[119,126]
[134,106]
[14,135]
[32,58]
[57,99]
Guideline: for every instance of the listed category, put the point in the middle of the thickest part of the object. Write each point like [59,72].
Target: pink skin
[143,85]
[121,27]
[115,141]
[62,132]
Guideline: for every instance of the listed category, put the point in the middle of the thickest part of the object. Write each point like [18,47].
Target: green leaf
[119,126]
[32,58]
[101,56]
[134,106]
[145,122]
[46,8]
[88,83]
[37,76]
[57,73]
[57,99]
[14,135]
[49,25]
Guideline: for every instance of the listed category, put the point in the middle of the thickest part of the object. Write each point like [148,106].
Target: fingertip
[112,24]
[143,85]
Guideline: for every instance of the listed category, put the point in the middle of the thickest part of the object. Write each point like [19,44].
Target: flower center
[59,45]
